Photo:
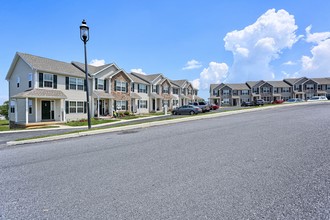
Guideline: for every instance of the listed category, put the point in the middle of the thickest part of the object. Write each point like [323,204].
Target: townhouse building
[43,89]
[269,91]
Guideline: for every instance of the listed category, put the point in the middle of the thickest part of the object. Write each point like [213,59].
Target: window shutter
[41,80]
[85,107]
[67,107]
[115,105]
[138,103]
[115,85]
[85,85]
[126,88]
[138,87]
[126,104]
[147,104]
[105,85]
[66,83]
[96,83]
[55,81]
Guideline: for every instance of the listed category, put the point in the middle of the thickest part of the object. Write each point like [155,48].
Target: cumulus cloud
[192,64]
[289,63]
[138,71]
[214,73]
[96,62]
[316,37]
[317,65]
[258,44]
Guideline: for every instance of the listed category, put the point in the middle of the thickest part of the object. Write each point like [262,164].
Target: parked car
[259,102]
[317,98]
[293,100]
[187,110]
[204,106]
[214,107]
[245,104]
[278,101]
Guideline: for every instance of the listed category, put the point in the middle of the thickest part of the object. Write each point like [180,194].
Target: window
[73,83]
[245,92]
[121,105]
[73,107]
[12,106]
[30,106]
[245,100]
[48,80]
[265,89]
[121,86]
[100,84]
[142,88]
[275,90]
[165,89]
[80,107]
[225,101]
[154,88]
[310,86]
[175,91]
[285,89]
[328,87]
[189,92]
[18,81]
[225,92]
[142,103]
[183,91]
[30,79]
[175,102]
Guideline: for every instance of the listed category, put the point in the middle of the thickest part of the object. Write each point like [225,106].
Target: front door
[45,110]
[154,105]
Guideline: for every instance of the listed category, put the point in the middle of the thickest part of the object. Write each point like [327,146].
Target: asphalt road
[271,164]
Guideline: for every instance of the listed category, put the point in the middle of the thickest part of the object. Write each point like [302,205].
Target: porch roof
[41,93]
[184,97]
[296,92]
[198,98]
[135,96]
[102,94]
[156,96]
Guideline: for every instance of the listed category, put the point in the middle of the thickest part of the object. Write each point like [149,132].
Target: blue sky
[203,41]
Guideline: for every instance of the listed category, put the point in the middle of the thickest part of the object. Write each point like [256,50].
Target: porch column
[16,119]
[26,110]
[36,109]
[63,114]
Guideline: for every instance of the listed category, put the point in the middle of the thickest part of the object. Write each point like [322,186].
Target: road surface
[270,164]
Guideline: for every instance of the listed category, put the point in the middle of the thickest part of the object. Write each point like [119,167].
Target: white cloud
[192,64]
[138,71]
[317,65]
[290,75]
[96,62]
[316,37]
[214,73]
[258,44]
[289,63]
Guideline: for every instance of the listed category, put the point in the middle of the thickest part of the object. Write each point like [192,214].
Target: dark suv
[259,102]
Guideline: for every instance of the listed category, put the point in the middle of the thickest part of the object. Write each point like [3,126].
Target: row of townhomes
[269,91]
[42,89]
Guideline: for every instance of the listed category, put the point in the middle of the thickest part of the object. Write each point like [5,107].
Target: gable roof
[180,82]
[92,69]
[42,64]
[237,86]
[137,79]
[322,80]
[280,84]
[293,81]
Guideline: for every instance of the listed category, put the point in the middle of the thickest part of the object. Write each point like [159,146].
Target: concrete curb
[147,124]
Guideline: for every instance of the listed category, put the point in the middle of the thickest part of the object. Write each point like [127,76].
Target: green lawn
[93,122]
[4,125]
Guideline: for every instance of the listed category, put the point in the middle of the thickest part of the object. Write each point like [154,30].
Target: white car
[317,98]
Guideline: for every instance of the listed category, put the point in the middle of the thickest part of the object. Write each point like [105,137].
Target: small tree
[4,109]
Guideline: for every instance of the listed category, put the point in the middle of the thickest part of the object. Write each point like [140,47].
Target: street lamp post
[84,36]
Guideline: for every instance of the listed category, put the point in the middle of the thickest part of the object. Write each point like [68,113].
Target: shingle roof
[179,82]
[41,93]
[102,94]
[50,65]
[91,69]
[238,86]
[322,80]
[137,79]
[213,86]
[279,84]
